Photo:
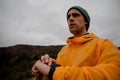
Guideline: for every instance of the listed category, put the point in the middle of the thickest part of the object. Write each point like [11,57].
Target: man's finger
[42,59]
[47,58]
[50,61]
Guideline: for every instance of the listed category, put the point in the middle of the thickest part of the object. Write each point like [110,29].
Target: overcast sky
[43,22]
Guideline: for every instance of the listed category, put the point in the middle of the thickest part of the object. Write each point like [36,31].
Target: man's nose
[71,17]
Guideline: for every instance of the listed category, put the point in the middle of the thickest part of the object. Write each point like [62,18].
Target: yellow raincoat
[88,58]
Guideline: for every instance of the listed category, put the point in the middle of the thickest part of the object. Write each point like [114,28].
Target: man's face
[76,22]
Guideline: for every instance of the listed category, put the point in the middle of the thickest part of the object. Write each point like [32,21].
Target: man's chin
[72,31]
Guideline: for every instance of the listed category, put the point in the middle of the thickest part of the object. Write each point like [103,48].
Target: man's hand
[41,68]
[46,59]
[40,71]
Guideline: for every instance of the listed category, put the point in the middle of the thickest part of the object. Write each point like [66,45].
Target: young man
[85,57]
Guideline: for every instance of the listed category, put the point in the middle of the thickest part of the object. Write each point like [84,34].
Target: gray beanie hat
[84,13]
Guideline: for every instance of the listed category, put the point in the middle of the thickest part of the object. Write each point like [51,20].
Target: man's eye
[68,16]
[75,15]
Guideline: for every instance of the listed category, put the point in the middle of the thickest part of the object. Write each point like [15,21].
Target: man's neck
[79,35]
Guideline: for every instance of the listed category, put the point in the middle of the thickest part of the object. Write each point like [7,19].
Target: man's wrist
[52,69]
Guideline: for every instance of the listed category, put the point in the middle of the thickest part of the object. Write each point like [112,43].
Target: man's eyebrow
[73,14]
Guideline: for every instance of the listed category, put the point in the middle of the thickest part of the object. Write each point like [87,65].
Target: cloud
[43,22]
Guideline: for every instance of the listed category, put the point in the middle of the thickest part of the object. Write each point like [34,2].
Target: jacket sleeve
[106,68]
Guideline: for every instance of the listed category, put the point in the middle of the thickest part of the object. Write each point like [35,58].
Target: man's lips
[72,25]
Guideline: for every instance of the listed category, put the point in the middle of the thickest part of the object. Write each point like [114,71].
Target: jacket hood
[82,39]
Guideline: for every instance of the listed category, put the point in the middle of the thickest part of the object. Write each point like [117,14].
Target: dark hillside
[16,61]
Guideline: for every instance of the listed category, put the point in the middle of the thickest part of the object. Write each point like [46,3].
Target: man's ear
[86,23]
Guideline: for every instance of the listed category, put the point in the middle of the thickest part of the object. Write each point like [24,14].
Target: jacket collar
[81,39]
